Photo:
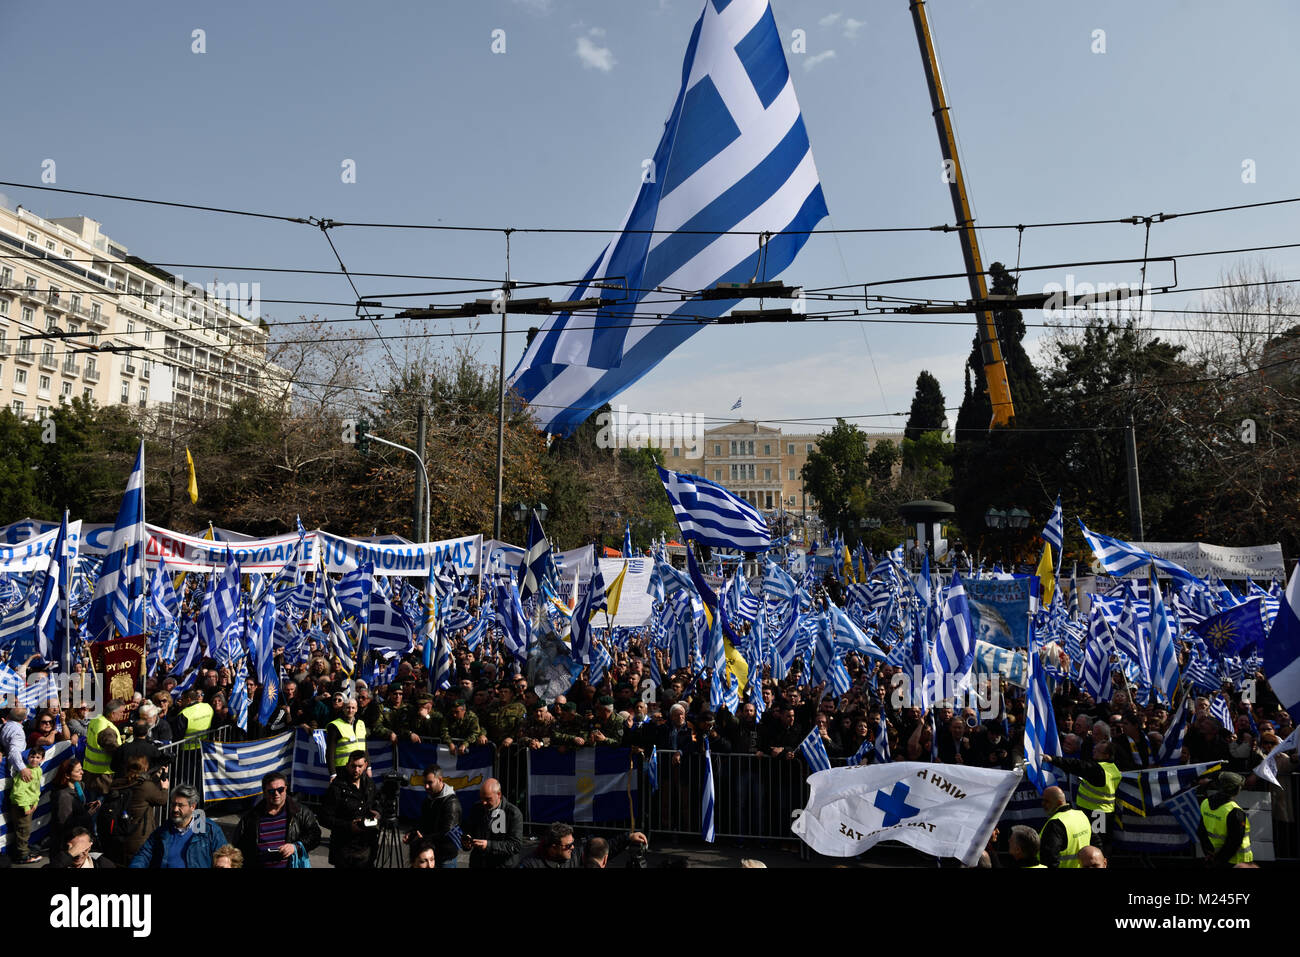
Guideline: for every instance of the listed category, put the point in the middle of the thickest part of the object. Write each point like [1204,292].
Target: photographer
[126,818]
[351,812]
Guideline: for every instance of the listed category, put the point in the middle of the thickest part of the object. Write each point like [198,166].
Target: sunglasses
[279,790]
[567,847]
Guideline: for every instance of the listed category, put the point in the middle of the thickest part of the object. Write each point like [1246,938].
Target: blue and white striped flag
[1121,559]
[1164,658]
[1171,748]
[954,644]
[814,752]
[220,608]
[388,631]
[263,649]
[234,769]
[882,741]
[707,798]
[709,514]
[1054,531]
[119,593]
[1097,678]
[734,156]
[1040,726]
[536,563]
[239,695]
[1282,649]
[864,751]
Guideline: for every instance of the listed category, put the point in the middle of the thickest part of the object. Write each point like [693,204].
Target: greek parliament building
[758,463]
[64,276]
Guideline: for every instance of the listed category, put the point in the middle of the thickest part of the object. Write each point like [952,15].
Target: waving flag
[954,644]
[1054,531]
[220,607]
[1164,658]
[1282,650]
[1121,559]
[707,797]
[119,593]
[1234,632]
[813,750]
[1040,726]
[734,156]
[264,653]
[711,515]
[536,561]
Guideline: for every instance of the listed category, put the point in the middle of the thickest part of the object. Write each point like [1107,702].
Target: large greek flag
[734,156]
[235,769]
[710,515]
[119,593]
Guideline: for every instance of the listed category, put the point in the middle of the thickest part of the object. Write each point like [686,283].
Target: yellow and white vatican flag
[947,810]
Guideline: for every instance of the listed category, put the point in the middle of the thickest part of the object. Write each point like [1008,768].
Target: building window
[94,310]
[50,324]
[750,447]
[717,475]
[90,366]
[126,392]
[18,408]
[20,377]
[29,316]
[67,389]
[4,307]
[767,450]
[43,385]
[792,475]
[130,327]
[789,449]
[676,452]
[769,499]
[767,475]
[717,448]
[87,394]
[808,447]
[752,470]
[144,394]
[31,236]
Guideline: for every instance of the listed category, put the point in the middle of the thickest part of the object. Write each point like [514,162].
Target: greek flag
[1097,678]
[1185,808]
[220,607]
[536,561]
[1220,711]
[239,695]
[1200,674]
[264,652]
[389,631]
[860,756]
[652,766]
[1171,748]
[511,620]
[339,639]
[163,603]
[1040,726]
[1282,649]
[1164,658]
[777,584]
[814,752]
[353,592]
[235,769]
[1054,531]
[735,156]
[954,644]
[709,514]
[707,799]
[1122,559]
[119,593]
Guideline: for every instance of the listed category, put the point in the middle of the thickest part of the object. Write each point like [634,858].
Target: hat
[605,700]
[570,706]
[1230,783]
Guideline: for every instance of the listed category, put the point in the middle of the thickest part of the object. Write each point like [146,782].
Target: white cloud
[537,6]
[851,27]
[813,61]
[594,57]
[829,19]
[596,31]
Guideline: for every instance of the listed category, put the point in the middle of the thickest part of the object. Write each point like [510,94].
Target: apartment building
[116,329]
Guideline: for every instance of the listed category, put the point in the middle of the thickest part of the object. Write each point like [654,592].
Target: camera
[390,790]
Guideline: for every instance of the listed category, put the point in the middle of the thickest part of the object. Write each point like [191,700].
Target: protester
[189,839]
[276,829]
[494,831]
[350,812]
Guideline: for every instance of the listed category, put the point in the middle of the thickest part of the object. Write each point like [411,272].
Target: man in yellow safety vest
[1066,832]
[1225,828]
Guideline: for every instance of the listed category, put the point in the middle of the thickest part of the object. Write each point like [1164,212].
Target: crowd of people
[113,792]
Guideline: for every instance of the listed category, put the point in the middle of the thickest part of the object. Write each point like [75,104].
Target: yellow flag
[194,482]
[848,568]
[1046,577]
[614,592]
[736,664]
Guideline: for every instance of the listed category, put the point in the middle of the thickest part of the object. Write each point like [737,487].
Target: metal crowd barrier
[185,759]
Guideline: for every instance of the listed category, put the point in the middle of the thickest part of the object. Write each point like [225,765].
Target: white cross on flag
[942,809]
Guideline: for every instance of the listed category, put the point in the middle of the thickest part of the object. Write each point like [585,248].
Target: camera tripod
[390,852]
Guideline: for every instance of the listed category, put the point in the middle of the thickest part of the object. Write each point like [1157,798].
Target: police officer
[1066,832]
[345,735]
[1099,780]
[102,739]
[1224,828]
[195,718]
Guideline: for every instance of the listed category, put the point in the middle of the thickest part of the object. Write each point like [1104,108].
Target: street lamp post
[428,498]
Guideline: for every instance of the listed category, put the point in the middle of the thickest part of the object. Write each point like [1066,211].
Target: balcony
[31,293]
[25,354]
[70,366]
[128,369]
[48,361]
[144,372]
[54,300]
[82,311]
[97,319]
[92,374]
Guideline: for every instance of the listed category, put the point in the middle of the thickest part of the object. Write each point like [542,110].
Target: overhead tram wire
[310,221]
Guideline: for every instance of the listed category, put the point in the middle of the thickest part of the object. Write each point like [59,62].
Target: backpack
[113,820]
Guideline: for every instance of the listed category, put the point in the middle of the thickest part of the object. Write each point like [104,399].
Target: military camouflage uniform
[432,728]
[565,731]
[612,728]
[505,721]
[466,730]
[535,730]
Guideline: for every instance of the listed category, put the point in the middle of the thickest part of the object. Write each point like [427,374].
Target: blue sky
[552,132]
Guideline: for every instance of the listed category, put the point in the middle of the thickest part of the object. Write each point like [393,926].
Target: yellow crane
[995,369]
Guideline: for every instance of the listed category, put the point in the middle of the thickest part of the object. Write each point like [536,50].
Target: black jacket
[303,829]
[345,802]
[503,832]
[437,817]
